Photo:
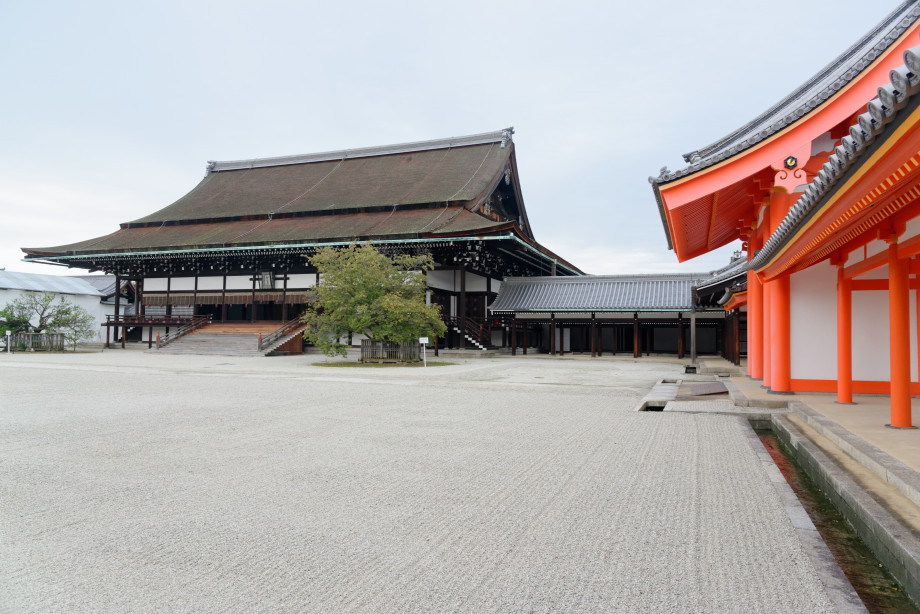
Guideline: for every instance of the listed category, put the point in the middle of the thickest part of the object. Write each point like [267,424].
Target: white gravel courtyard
[132,482]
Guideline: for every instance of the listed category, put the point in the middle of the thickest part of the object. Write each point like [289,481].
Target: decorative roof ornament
[210,168]
[506,136]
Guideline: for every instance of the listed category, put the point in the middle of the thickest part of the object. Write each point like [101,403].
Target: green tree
[363,291]
[44,312]
[76,323]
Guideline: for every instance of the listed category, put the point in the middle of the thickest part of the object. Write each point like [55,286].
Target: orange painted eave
[900,146]
[737,300]
[851,99]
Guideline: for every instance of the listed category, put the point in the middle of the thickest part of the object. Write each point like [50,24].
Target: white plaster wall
[154,284]
[474,283]
[299,281]
[443,280]
[875,247]
[870,336]
[211,283]
[913,228]
[239,282]
[182,284]
[90,303]
[813,323]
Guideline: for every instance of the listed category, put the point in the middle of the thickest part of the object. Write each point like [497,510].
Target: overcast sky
[110,111]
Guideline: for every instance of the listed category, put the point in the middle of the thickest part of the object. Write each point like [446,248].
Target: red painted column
[844,338]
[781,337]
[767,332]
[899,327]
[755,317]
[776,309]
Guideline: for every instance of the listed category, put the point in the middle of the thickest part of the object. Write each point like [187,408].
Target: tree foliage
[45,312]
[363,291]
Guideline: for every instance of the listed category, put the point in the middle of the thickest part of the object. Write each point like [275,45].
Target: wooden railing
[284,330]
[385,351]
[479,329]
[186,325]
[144,320]
[53,342]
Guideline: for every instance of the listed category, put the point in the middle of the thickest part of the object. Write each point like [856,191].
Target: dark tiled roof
[598,293]
[288,231]
[736,268]
[895,101]
[814,92]
[393,176]
[414,190]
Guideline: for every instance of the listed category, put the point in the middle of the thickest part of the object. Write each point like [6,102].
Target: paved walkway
[143,483]
[866,418]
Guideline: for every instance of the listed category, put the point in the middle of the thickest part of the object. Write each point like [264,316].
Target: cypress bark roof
[433,188]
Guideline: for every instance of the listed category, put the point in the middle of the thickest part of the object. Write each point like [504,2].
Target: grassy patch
[383,365]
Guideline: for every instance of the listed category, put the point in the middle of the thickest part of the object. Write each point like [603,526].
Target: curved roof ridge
[498,136]
[806,98]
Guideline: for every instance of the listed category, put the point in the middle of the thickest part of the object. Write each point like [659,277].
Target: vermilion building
[823,190]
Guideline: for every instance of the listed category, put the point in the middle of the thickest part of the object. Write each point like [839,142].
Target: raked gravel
[132,483]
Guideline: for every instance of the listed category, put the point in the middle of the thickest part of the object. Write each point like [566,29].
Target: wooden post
[435,347]
[108,330]
[252,317]
[552,334]
[600,340]
[149,336]
[195,297]
[767,333]
[461,308]
[513,334]
[636,352]
[693,337]
[736,337]
[525,330]
[223,300]
[680,336]
[117,309]
[844,337]
[139,307]
[285,313]
[899,339]
[124,329]
[755,333]
[593,337]
[168,301]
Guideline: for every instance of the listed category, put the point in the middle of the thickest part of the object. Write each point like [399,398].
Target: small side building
[75,290]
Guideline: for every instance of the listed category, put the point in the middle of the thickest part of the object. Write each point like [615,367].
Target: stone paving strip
[522,486]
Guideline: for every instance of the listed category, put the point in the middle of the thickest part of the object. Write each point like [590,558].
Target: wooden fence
[384,351]
[49,342]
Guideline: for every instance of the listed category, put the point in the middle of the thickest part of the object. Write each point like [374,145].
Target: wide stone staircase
[230,339]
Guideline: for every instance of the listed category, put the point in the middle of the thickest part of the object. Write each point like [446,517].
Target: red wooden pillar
[844,337]
[899,324]
[781,336]
[755,325]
